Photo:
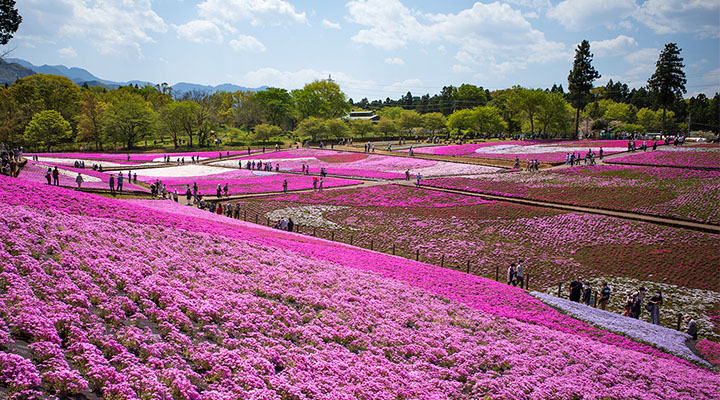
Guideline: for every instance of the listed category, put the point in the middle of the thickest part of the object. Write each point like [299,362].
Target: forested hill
[10,72]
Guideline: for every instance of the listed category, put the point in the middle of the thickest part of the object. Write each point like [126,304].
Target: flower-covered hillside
[100,295]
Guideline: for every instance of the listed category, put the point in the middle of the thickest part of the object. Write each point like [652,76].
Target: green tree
[489,120]
[266,131]
[580,79]
[48,128]
[469,96]
[410,119]
[90,127]
[178,119]
[461,120]
[336,129]
[277,105]
[392,113]
[10,129]
[386,127]
[433,121]
[648,118]
[247,110]
[361,127]
[129,118]
[311,126]
[9,21]
[621,112]
[527,102]
[322,99]
[553,114]
[668,81]
[48,92]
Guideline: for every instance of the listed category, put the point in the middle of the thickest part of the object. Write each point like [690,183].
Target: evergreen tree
[580,79]
[9,20]
[668,81]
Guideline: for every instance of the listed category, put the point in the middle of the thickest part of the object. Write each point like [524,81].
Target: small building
[366,115]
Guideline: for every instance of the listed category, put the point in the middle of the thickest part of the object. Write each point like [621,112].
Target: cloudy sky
[372,48]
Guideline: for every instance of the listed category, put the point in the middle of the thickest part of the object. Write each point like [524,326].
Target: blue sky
[372,48]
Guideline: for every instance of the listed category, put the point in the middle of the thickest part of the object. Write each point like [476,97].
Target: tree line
[45,111]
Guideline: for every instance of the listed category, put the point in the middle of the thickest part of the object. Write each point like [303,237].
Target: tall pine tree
[9,20]
[581,78]
[668,81]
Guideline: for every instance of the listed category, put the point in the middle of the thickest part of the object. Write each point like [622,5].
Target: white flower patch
[445,168]
[667,339]
[180,171]
[175,158]
[88,163]
[542,148]
[676,299]
[234,163]
[73,174]
[264,173]
[306,215]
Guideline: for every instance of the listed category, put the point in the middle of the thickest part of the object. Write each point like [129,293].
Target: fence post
[417,255]
[256,218]
[393,248]
[468,266]
[351,240]
[314,231]
[559,289]
[332,236]
[497,273]
[371,244]
[527,281]
[442,261]
[679,321]
[268,221]
[245,216]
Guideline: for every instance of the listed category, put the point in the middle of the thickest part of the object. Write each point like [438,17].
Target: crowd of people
[10,160]
[635,302]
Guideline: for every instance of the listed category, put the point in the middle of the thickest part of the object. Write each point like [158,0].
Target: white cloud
[394,61]
[493,35]
[330,25]
[699,17]
[67,52]
[613,47]
[461,68]
[257,12]
[247,43]
[641,66]
[401,88]
[112,27]
[586,14]
[199,31]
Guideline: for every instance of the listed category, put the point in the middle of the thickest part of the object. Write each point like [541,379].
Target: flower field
[359,164]
[544,151]
[691,156]
[35,172]
[140,157]
[673,192]
[555,245]
[101,297]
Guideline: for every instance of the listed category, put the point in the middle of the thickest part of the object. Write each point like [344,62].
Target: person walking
[511,275]
[218,191]
[417,179]
[691,327]
[587,294]
[290,225]
[225,190]
[48,176]
[112,184]
[604,296]
[120,182]
[315,183]
[188,194]
[519,274]
[79,180]
[284,185]
[56,176]
[575,290]
[654,307]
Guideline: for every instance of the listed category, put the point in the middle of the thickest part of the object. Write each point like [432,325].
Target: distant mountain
[80,76]
[10,72]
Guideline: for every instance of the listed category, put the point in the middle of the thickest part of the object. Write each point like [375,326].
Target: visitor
[175,196]
[225,190]
[290,225]
[112,184]
[283,224]
[218,191]
[519,274]
[511,275]
[636,305]
[119,182]
[653,307]
[188,194]
[587,294]
[601,153]
[79,180]
[239,164]
[691,327]
[575,290]
[135,177]
[315,183]
[284,189]
[219,208]
[628,303]
[321,183]
[407,174]
[418,177]
[48,176]
[56,176]
[604,296]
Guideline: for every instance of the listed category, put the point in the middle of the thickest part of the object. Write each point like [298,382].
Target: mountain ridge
[13,68]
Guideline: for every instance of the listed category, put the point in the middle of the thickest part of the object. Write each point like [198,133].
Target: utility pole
[689,121]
